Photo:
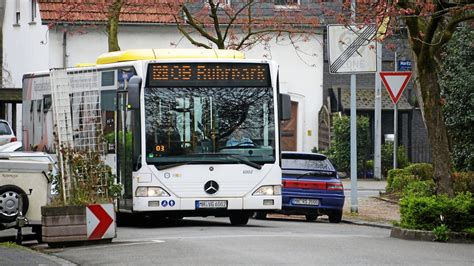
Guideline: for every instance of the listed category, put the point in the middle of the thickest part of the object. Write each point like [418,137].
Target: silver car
[6,133]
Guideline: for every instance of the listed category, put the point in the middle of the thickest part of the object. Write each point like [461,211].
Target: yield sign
[395,82]
[100,221]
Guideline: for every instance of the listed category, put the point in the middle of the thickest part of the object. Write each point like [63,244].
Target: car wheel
[335,216]
[311,217]
[239,219]
[9,197]
[260,215]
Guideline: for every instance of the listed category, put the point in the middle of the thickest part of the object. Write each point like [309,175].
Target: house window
[33,10]
[17,17]
[17,12]
[287,2]
[221,2]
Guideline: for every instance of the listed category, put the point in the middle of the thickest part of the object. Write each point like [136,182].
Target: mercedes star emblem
[211,187]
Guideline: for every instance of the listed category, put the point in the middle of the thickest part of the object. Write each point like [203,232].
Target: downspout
[2,18]
[65,46]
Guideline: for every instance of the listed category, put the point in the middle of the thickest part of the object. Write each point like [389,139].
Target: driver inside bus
[238,139]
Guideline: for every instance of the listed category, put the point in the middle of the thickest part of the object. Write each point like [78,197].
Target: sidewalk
[372,210]
[17,255]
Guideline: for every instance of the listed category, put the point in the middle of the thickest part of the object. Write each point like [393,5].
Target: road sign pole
[395,125]
[354,200]
[395,135]
[378,116]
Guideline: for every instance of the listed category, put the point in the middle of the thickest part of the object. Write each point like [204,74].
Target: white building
[30,45]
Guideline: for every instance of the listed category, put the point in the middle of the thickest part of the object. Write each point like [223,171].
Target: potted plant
[83,208]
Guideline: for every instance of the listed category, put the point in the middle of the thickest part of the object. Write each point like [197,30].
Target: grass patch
[10,244]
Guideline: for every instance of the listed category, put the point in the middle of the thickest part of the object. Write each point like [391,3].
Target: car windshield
[307,164]
[5,129]
[189,124]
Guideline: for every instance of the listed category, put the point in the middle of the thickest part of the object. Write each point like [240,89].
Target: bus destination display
[208,75]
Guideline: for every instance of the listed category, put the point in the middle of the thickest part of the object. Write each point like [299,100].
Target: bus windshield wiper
[171,165]
[238,157]
[246,161]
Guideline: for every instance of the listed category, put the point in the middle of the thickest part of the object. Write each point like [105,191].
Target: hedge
[427,213]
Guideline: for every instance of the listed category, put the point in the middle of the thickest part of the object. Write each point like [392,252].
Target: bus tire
[239,219]
[9,195]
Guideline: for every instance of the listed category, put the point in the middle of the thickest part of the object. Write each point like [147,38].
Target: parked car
[6,133]
[311,187]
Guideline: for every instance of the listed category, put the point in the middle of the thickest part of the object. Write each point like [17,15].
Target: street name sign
[351,49]
[100,221]
[395,83]
[404,65]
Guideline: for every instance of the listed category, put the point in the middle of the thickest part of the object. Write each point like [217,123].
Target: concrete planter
[411,234]
[71,225]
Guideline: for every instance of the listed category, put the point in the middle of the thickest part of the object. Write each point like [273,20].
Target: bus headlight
[151,192]
[268,191]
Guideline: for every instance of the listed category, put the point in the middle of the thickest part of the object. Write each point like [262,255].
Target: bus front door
[124,154]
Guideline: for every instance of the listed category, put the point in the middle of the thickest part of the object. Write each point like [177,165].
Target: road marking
[123,244]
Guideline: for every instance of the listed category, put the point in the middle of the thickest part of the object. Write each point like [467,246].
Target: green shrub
[441,233]
[401,181]
[419,188]
[387,157]
[398,179]
[427,213]
[424,171]
[391,175]
[463,181]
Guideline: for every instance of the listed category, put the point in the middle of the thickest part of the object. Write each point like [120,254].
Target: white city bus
[167,116]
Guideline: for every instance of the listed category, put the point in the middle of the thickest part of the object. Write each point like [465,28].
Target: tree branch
[188,36]
[450,29]
[214,8]
[233,18]
[192,23]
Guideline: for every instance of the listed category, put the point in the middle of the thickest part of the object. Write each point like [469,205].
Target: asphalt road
[205,241]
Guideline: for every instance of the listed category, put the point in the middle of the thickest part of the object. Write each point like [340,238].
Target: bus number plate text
[211,204]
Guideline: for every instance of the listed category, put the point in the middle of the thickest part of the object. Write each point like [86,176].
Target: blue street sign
[404,65]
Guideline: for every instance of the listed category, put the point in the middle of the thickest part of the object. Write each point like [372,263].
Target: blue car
[311,187]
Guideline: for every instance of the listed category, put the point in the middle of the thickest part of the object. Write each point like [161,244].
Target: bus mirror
[285,107]
[133,88]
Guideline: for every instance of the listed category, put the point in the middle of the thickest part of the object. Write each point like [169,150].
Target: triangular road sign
[395,82]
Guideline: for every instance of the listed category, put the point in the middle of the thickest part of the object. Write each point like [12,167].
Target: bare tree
[240,26]
[430,25]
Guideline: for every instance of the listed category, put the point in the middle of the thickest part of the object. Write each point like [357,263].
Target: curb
[421,235]
[386,200]
[371,224]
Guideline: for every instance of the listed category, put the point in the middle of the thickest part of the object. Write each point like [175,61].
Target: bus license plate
[211,204]
[313,202]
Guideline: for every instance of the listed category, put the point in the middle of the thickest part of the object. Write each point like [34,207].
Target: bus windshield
[209,125]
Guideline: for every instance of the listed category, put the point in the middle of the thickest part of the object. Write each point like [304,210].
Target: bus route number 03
[160,148]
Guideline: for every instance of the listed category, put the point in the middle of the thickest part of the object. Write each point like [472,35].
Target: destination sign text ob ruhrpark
[208,75]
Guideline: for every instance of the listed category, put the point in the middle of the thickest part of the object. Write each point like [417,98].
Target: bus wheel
[260,215]
[239,219]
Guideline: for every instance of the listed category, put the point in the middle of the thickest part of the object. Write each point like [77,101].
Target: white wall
[301,75]
[22,48]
